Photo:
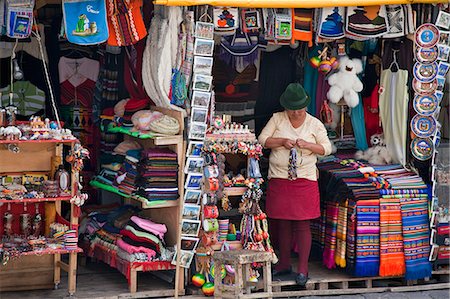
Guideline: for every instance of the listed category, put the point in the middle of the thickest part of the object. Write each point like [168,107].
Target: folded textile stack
[70,240]
[128,174]
[159,175]
[141,235]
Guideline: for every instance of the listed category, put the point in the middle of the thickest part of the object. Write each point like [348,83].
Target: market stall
[171,105]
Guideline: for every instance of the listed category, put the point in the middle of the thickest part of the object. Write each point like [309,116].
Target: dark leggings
[301,232]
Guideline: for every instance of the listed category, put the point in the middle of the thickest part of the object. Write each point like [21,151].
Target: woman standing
[295,139]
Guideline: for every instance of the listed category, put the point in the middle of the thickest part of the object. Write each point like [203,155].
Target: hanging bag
[85,21]
[19,18]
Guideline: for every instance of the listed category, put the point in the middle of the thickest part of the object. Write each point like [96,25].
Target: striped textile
[367,237]
[416,236]
[341,235]
[27,98]
[392,259]
[351,236]
[330,235]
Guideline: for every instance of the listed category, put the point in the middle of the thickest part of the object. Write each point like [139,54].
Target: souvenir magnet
[423,126]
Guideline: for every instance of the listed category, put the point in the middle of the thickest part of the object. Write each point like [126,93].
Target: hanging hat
[294,97]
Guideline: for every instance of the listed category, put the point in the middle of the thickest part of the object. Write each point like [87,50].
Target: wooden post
[268,278]
[179,279]
[218,280]
[57,270]
[72,274]
[238,279]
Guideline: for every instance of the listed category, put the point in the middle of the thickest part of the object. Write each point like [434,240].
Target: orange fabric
[302,19]
[125,28]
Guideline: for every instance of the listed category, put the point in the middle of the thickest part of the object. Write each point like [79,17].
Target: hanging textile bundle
[331,22]
[19,18]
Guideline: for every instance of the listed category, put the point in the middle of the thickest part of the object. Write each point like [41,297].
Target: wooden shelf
[157,139]
[234,245]
[33,200]
[38,141]
[52,251]
[146,204]
[235,191]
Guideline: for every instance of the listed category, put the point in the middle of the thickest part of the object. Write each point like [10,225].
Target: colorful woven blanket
[330,235]
[341,235]
[416,237]
[367,237]
[392,259]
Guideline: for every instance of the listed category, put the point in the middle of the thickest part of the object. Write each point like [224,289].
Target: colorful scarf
[351,236]
[392,259]
[416,236]
[367,237]
[330,235]
[292,167]
[341,236]
[302,19]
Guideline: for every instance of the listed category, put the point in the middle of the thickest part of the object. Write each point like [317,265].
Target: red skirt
[293,200]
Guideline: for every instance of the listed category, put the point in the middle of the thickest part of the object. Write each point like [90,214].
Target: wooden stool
[241,260]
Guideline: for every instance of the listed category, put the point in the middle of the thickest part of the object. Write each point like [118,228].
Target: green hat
[294,97]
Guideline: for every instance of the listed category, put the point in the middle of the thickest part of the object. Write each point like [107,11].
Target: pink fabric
[150,226]
[133,249]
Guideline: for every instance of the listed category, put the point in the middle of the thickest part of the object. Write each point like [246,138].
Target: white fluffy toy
[378,154]
[345,83]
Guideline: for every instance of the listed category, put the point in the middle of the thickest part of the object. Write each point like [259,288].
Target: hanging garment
[400,20]
[302,20]
[125,22]
[366,21]
[332,212]
[85,21]
[371,113]
[341,235]
[27,98]
[310,80]
[331,23]
[394,112]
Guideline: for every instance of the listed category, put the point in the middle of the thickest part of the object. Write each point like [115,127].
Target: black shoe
[301,279]
[281,272]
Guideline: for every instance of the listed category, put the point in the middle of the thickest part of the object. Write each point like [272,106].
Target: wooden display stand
[41,269]
[168,212]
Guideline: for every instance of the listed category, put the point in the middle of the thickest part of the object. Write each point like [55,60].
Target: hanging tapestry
[331,24]
[341,236]
[330,235]
[392,258]
[416,237]
[400,20]
[367,237]
[302,19]
[366,21]
[125,22]
[85,21]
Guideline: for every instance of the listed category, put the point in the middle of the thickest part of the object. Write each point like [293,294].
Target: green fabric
[127,130]
[97,184]
[26,97]
[149,236]
[294,97]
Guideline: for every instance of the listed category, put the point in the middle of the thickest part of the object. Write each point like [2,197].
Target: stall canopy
[290,3]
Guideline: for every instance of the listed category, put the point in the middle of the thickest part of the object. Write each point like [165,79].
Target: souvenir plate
[425,104]
[427,55]
[424,88]
[427,35]
[422,148]
[425,72]
[423,126]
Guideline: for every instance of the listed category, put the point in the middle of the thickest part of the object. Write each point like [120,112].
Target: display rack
[38,269]
[168,212]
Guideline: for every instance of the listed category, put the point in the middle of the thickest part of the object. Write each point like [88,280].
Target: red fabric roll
[293,200]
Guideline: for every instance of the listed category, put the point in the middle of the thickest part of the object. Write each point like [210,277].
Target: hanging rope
[47,76]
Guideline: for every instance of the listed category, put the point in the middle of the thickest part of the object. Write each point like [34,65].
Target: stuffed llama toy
[378,154]
[345,83]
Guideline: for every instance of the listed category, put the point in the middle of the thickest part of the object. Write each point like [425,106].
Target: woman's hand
[288,143]
[302,143]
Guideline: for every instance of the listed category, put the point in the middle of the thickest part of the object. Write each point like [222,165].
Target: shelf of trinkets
[231,131]
[36,130]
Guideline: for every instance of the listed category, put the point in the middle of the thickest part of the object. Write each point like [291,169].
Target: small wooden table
[241,260]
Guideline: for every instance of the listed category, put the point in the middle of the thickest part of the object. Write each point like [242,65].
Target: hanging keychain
[37,222]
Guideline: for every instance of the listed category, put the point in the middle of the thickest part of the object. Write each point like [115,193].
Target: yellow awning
[290,3]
